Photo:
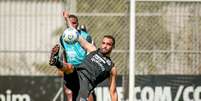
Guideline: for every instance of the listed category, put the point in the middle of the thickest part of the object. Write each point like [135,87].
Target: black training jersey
[96,67]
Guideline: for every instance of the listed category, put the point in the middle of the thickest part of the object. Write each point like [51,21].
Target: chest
[100,63]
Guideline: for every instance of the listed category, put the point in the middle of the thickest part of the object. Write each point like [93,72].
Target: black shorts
[71,81]
[84,88]
[79,85]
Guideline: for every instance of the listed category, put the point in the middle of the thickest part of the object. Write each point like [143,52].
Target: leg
[84,90]
[55,61]
[54,55]
[68,93]
[72,83]
[92,96]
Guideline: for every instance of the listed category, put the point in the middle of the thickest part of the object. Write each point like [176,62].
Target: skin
[73,23]
[106,46]
[106,49]
[112,84]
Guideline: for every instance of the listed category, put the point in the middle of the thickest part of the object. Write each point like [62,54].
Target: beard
[105,51]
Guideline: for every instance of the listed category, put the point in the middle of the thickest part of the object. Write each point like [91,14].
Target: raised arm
[86,45]
[112,85]
[66,18]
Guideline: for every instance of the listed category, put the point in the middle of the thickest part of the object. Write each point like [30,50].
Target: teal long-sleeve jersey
[75,53]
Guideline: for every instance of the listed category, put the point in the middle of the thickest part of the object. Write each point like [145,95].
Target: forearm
[113,90]
[86,45]
[114,96]
[66,18]
[68,21]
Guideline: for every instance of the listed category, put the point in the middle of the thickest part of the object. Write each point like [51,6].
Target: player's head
[107,44]
[74,21]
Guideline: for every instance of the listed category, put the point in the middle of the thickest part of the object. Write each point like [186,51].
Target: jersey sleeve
[61,41]
[62,53]
[89,39]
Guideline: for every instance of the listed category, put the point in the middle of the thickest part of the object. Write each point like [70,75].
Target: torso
[75,53]
[96,67]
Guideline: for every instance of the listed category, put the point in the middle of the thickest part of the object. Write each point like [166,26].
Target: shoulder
[94,51]
[84,33]
[86,36]
[65,31]
[61,41]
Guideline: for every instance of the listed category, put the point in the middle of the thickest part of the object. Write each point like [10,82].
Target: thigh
[83,91]
[72,82]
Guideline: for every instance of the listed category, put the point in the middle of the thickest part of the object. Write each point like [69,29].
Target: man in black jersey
[95,68]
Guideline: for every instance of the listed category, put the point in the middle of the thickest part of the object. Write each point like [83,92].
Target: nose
[104,45]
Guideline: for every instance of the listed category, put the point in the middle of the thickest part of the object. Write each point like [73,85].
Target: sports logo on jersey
[71,54]
[98,60]
[108,62]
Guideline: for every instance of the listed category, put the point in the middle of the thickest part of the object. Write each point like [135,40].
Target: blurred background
[167,35]
[30,28]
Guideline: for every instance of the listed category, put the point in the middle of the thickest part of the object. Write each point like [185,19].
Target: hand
[65,14]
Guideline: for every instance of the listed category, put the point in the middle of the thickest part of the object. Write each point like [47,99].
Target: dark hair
[110,37]
[73,16]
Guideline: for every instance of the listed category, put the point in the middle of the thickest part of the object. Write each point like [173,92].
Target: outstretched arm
[66,17]
[112,85]
[86,45]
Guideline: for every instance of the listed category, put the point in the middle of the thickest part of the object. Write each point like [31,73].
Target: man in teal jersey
[73,54]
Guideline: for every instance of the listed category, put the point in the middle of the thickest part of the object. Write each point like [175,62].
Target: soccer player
[96,67]
[73,54]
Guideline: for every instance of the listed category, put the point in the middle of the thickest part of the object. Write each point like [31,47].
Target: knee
[68,68]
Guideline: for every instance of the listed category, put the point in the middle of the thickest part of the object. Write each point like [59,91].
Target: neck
[108,54]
